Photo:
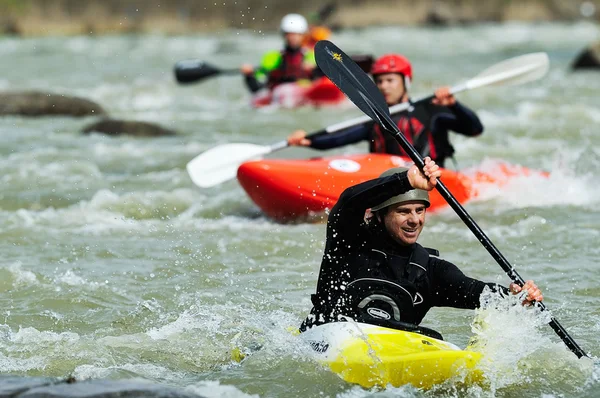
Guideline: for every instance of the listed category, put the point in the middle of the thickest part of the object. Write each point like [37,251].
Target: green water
[115,265]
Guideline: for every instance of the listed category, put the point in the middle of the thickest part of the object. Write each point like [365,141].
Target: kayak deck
[372,356]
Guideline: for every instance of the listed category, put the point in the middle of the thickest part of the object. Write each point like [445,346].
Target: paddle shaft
[232,71]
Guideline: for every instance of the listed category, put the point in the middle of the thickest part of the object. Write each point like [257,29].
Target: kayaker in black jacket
[425,125]
[374,271]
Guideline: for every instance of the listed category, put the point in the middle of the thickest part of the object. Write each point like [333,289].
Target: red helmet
[392,63]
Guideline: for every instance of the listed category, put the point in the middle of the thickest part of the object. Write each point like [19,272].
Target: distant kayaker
[425,125]
[374,271]
[294,62]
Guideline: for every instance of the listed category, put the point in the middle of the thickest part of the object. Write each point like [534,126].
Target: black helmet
[413,194]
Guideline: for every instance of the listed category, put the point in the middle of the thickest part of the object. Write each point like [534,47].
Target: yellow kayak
[371,356]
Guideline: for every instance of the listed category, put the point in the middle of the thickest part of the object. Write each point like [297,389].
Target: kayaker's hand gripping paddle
[363,92]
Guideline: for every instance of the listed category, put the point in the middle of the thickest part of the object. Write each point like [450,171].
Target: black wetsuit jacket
[425,125]
[348,237]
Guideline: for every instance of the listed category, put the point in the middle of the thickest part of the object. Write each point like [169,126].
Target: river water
[114,265]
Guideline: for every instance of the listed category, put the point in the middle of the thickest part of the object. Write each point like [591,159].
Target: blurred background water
[115,265]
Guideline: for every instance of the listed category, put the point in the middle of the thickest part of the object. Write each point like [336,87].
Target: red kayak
[320,92]
[287,189]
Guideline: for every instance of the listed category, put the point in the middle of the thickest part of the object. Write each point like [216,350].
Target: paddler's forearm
[348,136]
[469,293]
[452,288]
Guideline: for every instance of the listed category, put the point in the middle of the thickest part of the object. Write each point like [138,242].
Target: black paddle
[363,92]
[193,70]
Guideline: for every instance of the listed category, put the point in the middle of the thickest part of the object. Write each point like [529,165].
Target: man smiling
[374,271]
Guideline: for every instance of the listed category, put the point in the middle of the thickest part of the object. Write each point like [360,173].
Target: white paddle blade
[220,163]
[517,70]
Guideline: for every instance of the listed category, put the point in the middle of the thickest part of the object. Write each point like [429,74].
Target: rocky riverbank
[39,17]
[45,387]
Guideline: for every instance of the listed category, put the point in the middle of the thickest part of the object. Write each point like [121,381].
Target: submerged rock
[36,103]
[41,387]
[588,58]
[440,14]
[11,386]
[8,26]
[107,389]
[118,127]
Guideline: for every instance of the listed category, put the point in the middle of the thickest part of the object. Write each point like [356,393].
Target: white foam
[22,277]
[390,391]
[33,338]
[516,345]
[228,327]
[562,187]
[10,365]
[594,379]
[109,151]
[46,164]
[185,322]
[72,279]
[109,211]
[86,372]
[152,101]
[146,204]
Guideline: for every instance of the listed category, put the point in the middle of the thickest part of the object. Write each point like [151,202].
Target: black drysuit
[354,251]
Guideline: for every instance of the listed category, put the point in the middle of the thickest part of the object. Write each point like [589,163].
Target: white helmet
[294,23]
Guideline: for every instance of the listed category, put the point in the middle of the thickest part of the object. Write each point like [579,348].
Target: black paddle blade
[354,82]
[193,70]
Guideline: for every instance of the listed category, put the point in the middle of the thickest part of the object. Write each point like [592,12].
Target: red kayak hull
[288,190]
[321,92]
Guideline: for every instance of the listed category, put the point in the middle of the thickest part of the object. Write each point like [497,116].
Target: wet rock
[35,103]
[9,26]
[588,58]
[440,14]
[128,127]
[107,389]
[11,386]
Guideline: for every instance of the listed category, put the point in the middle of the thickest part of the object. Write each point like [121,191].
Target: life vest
[290,69]
[383,289]
[415,123]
